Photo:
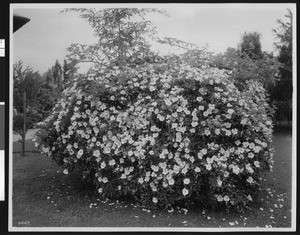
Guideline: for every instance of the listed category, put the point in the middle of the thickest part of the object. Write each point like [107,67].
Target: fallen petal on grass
[185,211]
[171,210]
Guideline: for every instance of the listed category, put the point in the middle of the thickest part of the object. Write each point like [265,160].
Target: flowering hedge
[163,134]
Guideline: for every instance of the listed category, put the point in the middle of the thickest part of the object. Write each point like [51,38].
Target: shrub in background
[164,133]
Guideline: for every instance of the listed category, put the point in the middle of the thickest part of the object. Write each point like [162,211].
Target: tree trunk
[24,123]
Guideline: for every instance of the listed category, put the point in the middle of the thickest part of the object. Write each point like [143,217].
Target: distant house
[19,21]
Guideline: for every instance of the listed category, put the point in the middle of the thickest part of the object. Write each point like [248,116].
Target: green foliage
[123,34]
[251,45]
[54,77]
[46,100]
[285,32]
[243,68]
[39,97]
[25,80]
[59,76]
[281,94]
[283,111]
[177,43]
[69,70]
[57,73]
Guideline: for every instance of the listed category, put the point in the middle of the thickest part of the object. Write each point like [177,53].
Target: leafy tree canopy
[123,36]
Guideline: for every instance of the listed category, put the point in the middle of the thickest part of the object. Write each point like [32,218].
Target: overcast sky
[47,35]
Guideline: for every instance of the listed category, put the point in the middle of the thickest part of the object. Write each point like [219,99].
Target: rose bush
[163,133]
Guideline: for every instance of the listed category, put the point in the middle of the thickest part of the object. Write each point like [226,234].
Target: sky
[44,39]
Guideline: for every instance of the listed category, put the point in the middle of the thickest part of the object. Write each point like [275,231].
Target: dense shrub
[163,134]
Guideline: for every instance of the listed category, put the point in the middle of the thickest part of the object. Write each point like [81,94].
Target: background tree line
[248,61]
[35,94]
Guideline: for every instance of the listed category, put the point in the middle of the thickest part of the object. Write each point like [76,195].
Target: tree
[33,100]
[26,87]
[251,45]
[57,73]
[69,69]
[46,100]
[282,92]
[242,68]
[123,35]
[54,77]
[285,33]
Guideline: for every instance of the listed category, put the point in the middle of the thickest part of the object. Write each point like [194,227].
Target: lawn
[29,146]
[44,197]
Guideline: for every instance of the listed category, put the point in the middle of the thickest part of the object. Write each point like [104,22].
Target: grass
[44,197]
[29,147]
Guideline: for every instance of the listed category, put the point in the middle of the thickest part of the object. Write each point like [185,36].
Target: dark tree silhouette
[283,91]
[251,45]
